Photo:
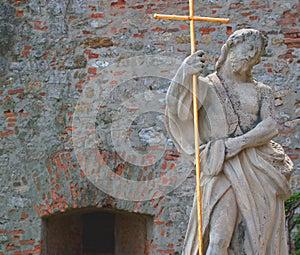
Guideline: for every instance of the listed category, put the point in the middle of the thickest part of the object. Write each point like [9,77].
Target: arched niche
[96,232]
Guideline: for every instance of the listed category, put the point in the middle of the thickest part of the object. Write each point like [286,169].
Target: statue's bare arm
[180,90]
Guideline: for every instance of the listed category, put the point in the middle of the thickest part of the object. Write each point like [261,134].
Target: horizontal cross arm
[195,18]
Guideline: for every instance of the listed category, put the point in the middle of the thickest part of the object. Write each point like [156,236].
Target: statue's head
[244,48]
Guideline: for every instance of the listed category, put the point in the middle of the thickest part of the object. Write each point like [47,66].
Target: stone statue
[244,174]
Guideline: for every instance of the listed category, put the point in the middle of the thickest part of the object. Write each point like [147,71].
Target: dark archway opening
[99,233]
[96,232]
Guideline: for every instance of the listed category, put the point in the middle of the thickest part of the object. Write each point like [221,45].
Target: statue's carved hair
[237,37]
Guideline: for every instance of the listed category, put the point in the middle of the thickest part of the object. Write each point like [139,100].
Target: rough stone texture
[42,77]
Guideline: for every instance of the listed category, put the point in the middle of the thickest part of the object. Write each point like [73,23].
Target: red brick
[171,251]
[172,30]
[24,216]
[292,40]
[285,21]
[170,157]
[156,29]
[255,5]
[92,7]
[139,35]
[17,232]
[170,224]
[72,189]
[228,30]
[291,35]
[289,15]
[289,55]
[245,14]
[140,175]
[160,213]
[96,15]
[85,32]
[59,164]
[291,46]
[19,13]
[37,210]
[205,30]
[93,55]
[180,50]
[137,7]
[118,73]
[26,242]
[11,246]
[184,27]
[9,114]
[17,2]
[234,6]
[113,30]
[25,53]
[214,7]
[148,11]
[172,166]
[164,165]
[11,120]
[286,131]
[293,156]
[92,70]
[15,91]
[120,3]
[7,133]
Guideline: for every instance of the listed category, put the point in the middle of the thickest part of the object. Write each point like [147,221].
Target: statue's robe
[256,175]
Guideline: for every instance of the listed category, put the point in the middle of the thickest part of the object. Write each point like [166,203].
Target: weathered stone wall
[51,50]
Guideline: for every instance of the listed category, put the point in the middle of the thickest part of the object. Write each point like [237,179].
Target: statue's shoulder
[263,86]
[264,90]
[209,80]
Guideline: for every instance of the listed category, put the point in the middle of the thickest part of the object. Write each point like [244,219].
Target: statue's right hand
[195,63]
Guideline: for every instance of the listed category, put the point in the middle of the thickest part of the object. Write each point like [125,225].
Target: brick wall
[50,50]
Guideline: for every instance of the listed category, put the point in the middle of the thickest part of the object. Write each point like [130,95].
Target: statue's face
[243,56]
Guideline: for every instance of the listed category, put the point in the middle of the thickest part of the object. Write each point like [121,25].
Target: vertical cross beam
[192,18]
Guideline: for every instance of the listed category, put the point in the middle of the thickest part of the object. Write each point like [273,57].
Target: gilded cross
[192,18]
